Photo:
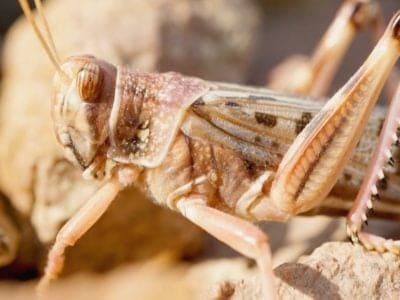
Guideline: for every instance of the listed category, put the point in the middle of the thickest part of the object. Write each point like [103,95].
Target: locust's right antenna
[48,44]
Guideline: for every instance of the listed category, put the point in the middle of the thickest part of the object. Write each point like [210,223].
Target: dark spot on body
[269,145]
[380,126]
[275,145]
[251,263]
[303,121]
[265,119]
[347,177]
[268,164]
[268,97]
[250,167]
[226,290]
[231,103]
[199,102]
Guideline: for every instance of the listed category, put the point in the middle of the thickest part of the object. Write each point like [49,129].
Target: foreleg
[82,221]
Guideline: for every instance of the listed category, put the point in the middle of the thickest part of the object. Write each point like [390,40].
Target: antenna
[50,39]
[48,44]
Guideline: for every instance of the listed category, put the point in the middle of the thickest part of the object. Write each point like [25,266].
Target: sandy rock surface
[333,271]
[341,271]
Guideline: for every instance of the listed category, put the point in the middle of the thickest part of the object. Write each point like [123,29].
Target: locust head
[102,119]
[84,90]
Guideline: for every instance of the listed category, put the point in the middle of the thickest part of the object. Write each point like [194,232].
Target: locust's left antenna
[39,7]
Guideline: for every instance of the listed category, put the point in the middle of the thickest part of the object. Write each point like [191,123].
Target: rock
[341,271]
[335,270]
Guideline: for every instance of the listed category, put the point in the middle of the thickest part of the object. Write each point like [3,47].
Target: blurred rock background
[236,41]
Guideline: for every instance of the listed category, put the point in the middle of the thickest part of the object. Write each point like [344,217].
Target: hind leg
[369,190]
[318,155]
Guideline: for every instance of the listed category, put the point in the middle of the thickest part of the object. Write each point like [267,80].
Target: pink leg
[237,233]
[77,226]
[358,213]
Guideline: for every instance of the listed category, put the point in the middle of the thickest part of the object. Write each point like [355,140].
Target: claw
[354,225]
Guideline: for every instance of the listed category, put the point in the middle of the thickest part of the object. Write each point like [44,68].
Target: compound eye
[89,81]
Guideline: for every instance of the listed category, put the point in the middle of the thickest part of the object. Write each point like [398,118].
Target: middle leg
[239,234]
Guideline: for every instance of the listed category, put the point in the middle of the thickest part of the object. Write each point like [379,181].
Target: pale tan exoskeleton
[221,154]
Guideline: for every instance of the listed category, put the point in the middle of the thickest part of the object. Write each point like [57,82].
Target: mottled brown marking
[380,126]
[199,102]
[303,121]
[232,103]
[257,139]
[266,119]
[251,167]
[268,164]
[275,145]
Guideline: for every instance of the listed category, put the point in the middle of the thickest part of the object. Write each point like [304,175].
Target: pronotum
[224,155]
